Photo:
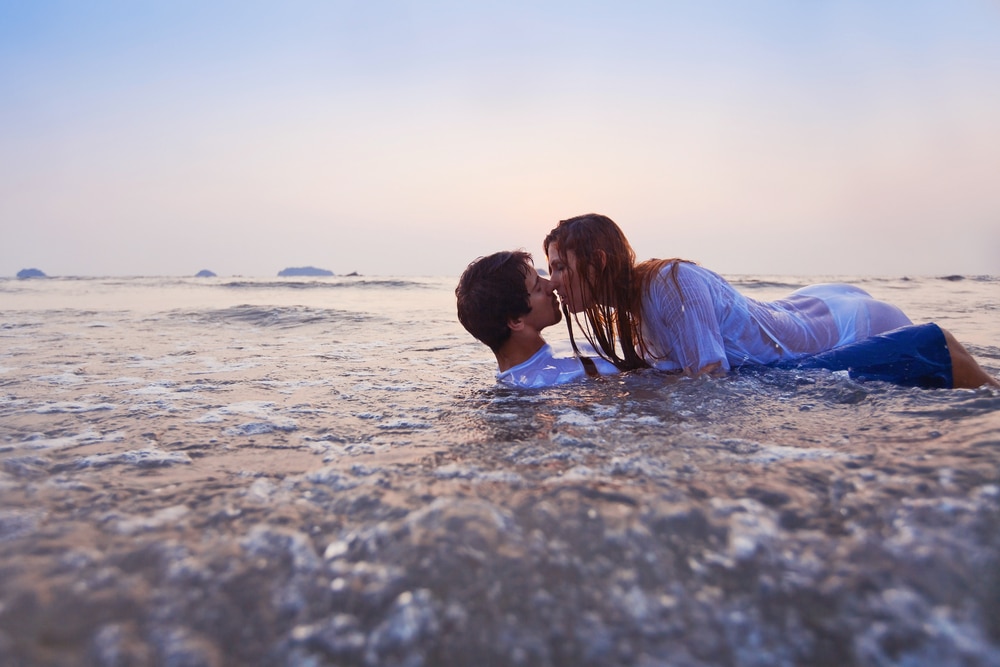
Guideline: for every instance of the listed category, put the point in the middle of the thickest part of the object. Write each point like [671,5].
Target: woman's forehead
[557,253]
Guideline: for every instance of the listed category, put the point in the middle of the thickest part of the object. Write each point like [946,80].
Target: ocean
[322,471]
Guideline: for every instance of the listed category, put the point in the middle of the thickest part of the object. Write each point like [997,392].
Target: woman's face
[565,277]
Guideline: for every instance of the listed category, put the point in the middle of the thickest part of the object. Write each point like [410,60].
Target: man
[505,304]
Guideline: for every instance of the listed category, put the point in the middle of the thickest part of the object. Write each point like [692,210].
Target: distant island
[205,273]
[30,273]
[303,271]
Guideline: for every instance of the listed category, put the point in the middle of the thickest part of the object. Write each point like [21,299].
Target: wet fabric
[913,356]
[544,369]
[693,318]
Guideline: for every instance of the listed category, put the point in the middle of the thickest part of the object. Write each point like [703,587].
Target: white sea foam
[66,379]
[133,525]
[333,478]
[40,441]
[574,418]
[772,453]
[580,473]
[163,390]
[262,428]
[141,458]
[647,420]
[260,409]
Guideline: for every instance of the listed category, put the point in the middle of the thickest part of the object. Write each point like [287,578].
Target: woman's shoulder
[661,266]
[660,272]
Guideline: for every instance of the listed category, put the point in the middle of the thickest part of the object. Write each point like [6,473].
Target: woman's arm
[680,321]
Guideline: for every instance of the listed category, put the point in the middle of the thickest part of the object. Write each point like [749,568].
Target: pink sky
[408,138]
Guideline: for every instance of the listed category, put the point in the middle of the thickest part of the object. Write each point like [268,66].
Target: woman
[675,315]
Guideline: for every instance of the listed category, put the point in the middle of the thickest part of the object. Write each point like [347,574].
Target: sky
[407,138]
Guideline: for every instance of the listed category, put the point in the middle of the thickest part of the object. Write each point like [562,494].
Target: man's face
[542,298]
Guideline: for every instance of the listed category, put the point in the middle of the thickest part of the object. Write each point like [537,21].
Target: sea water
[237,471]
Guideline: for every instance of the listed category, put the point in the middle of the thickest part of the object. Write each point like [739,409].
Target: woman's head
[590,262]
[591,265]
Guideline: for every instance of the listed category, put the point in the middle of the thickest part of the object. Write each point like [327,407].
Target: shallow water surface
[322,472]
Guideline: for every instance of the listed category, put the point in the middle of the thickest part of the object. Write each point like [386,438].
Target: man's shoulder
[550,366]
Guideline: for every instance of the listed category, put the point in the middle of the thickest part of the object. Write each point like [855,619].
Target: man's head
[503,290]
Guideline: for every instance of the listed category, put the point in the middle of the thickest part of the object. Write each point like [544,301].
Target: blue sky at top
[395,137]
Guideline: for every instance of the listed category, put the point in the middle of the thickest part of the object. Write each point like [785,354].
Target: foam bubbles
[140,458]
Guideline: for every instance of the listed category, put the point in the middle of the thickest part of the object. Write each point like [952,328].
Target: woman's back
[692,318]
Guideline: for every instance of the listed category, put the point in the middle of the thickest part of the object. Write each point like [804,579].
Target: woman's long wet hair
[614,318]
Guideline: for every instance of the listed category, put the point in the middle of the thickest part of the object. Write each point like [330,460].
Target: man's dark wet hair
[490,292]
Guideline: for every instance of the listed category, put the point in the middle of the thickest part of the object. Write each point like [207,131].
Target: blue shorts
[912,356]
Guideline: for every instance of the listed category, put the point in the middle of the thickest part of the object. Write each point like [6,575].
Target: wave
[976,279]
[334,283]
[10,326]
[271,316]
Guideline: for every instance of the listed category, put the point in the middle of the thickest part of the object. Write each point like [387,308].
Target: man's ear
[515,324]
